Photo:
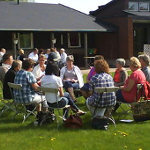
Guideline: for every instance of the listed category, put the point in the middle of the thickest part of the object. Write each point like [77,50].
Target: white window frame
[31,35]
[77,46]
[143,3]
[133,3]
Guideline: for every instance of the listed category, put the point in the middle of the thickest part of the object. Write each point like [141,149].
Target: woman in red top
[127,93]
[121,74]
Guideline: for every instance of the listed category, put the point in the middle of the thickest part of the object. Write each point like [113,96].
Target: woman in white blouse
[61,99]
[39,70]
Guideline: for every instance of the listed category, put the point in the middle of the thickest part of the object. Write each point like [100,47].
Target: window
[74,40]
[26,40]
[143,6]
[133,6]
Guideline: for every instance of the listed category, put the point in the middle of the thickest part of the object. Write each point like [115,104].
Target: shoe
[80,112]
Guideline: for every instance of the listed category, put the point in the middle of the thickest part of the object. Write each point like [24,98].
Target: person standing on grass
[63,55]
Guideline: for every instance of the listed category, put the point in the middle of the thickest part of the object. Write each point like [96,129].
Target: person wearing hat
[71,76]
[121,74]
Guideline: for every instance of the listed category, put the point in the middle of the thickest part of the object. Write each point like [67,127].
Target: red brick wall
[125,35]
[106,43]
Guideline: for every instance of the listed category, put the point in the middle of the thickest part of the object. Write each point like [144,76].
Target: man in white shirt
[34,55]
[63,58]
[2,52]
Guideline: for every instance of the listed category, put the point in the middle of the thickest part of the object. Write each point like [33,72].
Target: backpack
[100,123]
[146,90]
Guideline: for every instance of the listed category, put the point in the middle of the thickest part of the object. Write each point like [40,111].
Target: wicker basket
[141,110]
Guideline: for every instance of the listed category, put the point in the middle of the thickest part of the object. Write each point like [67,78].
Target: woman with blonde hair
[21,55]
[128,92]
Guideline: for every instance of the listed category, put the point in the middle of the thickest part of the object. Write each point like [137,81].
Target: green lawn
[126,136]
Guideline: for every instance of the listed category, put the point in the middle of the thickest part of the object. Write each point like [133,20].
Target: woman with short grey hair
[145,61]
[120,74]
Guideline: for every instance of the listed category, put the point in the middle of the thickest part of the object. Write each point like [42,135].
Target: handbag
[141,110]
[73,122]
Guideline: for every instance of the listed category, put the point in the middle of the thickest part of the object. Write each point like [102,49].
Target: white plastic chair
[102,90]
[26,113]
[7,104]
[45,90]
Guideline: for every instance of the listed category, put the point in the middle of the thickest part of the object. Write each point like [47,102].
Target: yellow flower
[115,133]
[52,139]
[140,148]
[125,147]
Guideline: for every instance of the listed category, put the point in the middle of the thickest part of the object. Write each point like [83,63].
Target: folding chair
[126,107]
[20,108]
[108,111]
[7,104]
[45,90]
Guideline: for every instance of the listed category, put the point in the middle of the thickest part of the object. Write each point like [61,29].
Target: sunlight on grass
[126,136]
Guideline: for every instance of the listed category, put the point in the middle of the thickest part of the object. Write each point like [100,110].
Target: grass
[126,136]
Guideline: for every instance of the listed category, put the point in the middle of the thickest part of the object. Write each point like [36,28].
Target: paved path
[86,71]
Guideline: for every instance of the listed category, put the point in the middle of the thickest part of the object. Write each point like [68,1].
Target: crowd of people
[57,70]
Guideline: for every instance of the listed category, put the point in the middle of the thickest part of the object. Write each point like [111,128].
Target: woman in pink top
[127,93]
[92,71]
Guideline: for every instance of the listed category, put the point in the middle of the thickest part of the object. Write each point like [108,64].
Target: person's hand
[73,80]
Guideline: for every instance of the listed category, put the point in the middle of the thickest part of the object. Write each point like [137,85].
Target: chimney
[18,2]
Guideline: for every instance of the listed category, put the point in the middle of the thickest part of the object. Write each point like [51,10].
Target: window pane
[25,40]
[143,6]
[133,6]
[74,39]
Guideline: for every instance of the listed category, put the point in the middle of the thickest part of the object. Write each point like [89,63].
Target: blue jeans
[69,84]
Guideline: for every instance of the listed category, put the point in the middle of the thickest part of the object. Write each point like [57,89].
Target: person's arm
[129,86]
[61,92]
[124,76]
[35,86]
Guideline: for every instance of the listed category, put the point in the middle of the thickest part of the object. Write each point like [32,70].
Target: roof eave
[59,30]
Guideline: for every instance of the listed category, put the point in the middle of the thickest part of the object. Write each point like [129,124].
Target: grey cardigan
[123,77]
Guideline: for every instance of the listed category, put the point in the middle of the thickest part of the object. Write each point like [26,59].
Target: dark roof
[139,14]
[100,8]
[45,17]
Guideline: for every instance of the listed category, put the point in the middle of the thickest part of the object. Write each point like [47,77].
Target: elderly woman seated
[97,103]
[71,76]
[120,74]
[145,62]
[128,92]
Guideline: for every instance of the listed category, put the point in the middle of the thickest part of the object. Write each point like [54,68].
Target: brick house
[132,19]
[38,25]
